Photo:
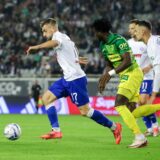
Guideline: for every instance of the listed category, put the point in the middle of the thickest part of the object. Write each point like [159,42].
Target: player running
[143,32]
[73,84]
[120,60]
[139,50]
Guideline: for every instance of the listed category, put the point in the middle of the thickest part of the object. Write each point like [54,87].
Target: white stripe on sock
[90,112]
[56,129]
[49,106]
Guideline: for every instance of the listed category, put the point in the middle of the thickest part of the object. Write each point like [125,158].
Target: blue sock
[101,119]
[52,116]
[153,118]
[147,121]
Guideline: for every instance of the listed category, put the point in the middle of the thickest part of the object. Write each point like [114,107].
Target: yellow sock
[129,119]
[145,110]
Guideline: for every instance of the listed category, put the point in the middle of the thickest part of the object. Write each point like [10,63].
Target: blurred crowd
[19,29]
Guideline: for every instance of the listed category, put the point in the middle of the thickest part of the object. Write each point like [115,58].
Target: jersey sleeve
[122,45]
[58,39]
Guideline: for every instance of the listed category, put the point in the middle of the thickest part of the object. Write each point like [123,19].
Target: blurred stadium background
[19,28]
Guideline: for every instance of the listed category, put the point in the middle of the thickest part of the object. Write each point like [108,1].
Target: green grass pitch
[83,140]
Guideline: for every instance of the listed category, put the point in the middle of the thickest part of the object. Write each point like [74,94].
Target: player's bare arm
[108,72]
[147,69]
[105,77]
[126,62]
[48,44]
[83,60]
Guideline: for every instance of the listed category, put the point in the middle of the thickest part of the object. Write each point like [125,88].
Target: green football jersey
[113,48]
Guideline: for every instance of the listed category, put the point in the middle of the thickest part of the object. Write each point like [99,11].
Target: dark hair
[146,24]
[135,21]
[51,21]
[102,25]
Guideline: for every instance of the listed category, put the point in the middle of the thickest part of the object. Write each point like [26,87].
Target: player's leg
[150,120]
[101,119]
[145,110]
[132,107]
[122,108]
[155,126]
[79,96]
[127,90]
[147,119]
[95,115]
[48,99]
[56,91]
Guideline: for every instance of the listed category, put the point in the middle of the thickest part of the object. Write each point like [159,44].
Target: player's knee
[47,98]
[84,110]
[120,100]
[131,106]
[142,102]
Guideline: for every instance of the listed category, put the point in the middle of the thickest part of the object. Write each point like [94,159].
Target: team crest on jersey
[124,77]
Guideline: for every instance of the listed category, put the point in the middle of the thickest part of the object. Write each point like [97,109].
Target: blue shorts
[146,87]
[76,90]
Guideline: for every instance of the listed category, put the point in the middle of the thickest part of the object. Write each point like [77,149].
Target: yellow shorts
[130,84]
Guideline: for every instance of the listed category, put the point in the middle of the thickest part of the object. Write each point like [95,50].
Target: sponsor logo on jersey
[123,45]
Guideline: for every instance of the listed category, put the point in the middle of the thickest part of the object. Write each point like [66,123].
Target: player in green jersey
[120,60]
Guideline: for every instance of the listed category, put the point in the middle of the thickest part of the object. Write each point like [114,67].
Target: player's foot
[155,131]
[52,135]
[147,133]
[118,133]
[138,143]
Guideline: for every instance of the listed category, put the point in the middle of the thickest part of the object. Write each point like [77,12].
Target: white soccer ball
[12,131]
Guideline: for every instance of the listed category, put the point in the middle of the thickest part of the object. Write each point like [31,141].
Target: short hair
[51,21]
[102,25]
[146,24]
[134,21]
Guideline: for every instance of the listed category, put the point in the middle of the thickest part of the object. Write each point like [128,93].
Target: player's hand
[102,82]
[83,60]
[31,48]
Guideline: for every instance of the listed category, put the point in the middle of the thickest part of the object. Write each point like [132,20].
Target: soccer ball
[12,131]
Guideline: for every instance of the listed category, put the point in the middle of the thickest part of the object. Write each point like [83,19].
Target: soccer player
[139,50]
[143,32]
[120,60]
[73,84]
